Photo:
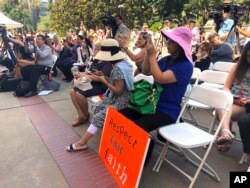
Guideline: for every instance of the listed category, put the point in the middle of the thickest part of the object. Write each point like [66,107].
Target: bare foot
[75,120]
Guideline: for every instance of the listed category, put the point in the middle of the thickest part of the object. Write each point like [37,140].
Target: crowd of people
[103,60]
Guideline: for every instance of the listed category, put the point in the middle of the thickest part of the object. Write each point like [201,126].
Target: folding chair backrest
[215,98]
[196,75]
[215,77]
[223,66]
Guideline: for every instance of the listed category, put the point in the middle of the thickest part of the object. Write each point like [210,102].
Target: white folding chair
[187,137]
[213,78]
[222,66]
[243,159]
[195,76]
[210,78]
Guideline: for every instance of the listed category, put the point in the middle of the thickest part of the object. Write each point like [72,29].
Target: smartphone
[236,97]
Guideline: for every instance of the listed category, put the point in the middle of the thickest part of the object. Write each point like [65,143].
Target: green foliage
[19,11]
[156,26]
[67,14]
[44,23]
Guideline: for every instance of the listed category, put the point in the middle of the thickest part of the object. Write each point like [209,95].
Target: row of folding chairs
[187,136]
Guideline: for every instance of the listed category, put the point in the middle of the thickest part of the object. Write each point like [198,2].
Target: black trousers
[148,123]
[10,64]
[65,67]
[32,74]
[244,126]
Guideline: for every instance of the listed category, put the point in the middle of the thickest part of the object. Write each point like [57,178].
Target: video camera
[218,19]
[236,11]
[3,35]
[110,21]
[3,31]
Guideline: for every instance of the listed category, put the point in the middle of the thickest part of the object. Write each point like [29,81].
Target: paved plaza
[35,131]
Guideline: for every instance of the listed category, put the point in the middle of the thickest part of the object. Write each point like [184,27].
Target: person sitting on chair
[79,97]
[244,128]
[221,51]
[173,73]
[117,95]
[203,59]
[237,83]
[44,63]
[142,40]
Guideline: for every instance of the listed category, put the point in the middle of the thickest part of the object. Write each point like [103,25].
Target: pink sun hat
[183,37]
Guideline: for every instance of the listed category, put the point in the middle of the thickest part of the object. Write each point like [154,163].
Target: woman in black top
[79,97]
[203,60]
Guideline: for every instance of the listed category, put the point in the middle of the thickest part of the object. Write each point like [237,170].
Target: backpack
[22,88]
[8,83]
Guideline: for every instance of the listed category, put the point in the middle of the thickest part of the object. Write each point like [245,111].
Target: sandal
[72,147]
[224,142]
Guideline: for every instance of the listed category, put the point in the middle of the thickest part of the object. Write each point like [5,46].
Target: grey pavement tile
[7,100]
[24,160]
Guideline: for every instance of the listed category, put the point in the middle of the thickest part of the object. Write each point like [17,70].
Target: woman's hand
[99,77]
[243,101]
[150,49]
[77,75]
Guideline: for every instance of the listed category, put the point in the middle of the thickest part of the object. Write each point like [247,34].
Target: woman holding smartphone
[238,83]
[139,57]
[79,97]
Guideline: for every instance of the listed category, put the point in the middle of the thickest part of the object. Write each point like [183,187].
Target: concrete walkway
[30,157]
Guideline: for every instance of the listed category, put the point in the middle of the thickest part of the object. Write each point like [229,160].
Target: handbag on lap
[82,83]
[144,97]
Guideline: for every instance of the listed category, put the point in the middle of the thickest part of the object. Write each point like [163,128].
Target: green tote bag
[144,97]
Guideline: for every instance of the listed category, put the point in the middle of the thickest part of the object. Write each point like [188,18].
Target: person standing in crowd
[195,33]
[226,26]
[122,28]
[168,24]
[44,63]
[117,95]
[237,83]
[221,51]
[173,73]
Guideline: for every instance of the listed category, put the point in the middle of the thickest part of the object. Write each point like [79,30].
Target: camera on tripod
[3,31]
[218,19]
[237,11]
[3,35]
[109,20]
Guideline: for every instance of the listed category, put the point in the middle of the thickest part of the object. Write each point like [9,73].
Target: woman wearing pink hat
[173,72]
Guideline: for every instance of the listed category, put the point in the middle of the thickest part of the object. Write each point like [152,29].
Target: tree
[44,24]
[67,14]
[202,8]
[167,9]
[20,10]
